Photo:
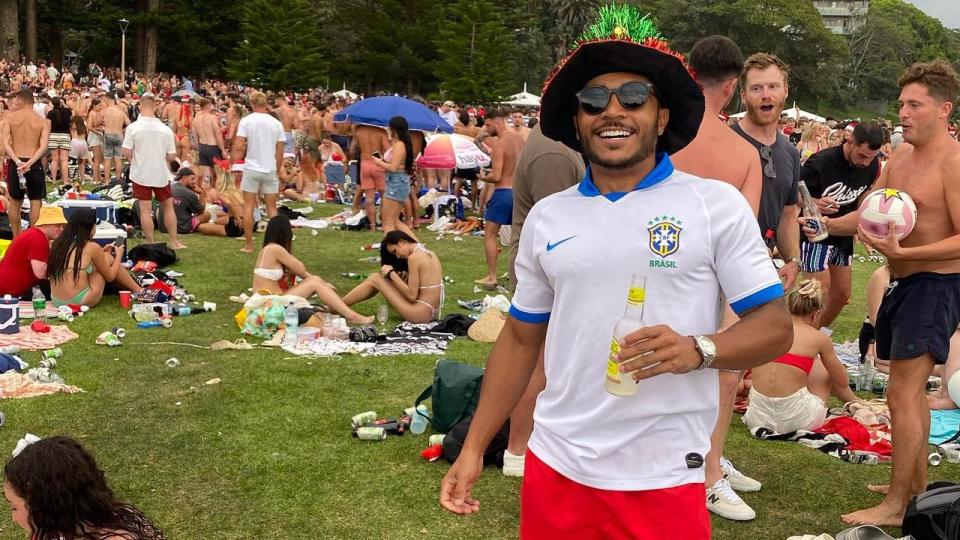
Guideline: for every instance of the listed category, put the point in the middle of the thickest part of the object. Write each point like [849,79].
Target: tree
[30,27]
[280,47]
[474,48]
[9,29]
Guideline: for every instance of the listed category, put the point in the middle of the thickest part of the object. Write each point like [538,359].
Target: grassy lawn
[267,453]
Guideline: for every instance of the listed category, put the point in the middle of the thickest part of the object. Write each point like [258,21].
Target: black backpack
[934,514]
[158,253]
[492,455]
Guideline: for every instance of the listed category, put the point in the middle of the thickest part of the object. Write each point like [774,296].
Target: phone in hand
[377,155]
[118,241]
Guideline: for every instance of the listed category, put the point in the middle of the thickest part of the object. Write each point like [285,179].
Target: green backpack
[455,392]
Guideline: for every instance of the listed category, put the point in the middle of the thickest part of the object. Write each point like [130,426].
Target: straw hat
[488,326]
[51,215]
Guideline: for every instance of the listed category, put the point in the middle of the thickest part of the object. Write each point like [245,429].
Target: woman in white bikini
[418,296]
[277,268]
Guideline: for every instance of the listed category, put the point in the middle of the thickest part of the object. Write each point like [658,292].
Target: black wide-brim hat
[676,88]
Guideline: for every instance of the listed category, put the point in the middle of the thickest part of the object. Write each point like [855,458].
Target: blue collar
[660,172]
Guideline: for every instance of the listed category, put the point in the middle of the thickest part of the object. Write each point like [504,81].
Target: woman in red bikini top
[812,361]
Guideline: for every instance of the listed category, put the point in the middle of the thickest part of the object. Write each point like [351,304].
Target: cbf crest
[664,234]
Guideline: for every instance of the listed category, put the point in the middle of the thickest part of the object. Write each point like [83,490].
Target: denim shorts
[398,186]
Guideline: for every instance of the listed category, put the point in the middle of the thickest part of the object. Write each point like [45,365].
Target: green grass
[267,453]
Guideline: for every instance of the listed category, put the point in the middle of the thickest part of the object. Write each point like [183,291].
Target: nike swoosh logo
[550,247]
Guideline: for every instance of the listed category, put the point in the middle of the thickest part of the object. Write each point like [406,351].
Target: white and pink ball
[888,206]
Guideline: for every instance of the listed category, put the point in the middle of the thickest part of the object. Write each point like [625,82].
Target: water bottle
[812,214]
[459,211]
[39,304]
[419,420]
[291,320]
[23,180]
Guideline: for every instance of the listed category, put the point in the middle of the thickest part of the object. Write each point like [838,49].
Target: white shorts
[260,182]
[798,411]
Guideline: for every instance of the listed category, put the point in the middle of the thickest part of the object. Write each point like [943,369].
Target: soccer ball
[884,206]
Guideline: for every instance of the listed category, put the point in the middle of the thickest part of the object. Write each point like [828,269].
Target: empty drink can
[54,353]
[119,332]
[363,418]
[173,362]
[166,322]
[371,433]
[436,438]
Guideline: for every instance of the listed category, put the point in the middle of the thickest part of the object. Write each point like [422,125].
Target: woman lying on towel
[790,393]
[418,295]
[277,268]
[80,268]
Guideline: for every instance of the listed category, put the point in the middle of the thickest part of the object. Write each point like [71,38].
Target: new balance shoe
[512,465]
[723,501]
[738,480]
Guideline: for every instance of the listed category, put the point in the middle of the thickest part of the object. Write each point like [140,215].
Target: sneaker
[512,465]
[723,501]
[738,480]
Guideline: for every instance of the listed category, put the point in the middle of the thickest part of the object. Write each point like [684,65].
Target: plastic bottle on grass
[419,420]
[291,321]
[39,304]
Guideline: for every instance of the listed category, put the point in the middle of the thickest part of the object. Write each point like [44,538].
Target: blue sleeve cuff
[758,298]
[527,317]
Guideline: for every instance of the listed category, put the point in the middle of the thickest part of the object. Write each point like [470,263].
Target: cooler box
[106,210]
[105,236]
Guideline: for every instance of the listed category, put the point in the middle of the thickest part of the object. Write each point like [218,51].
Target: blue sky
[948,11]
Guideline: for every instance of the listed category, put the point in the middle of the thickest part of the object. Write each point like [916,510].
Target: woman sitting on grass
[418,295]
[791,393]
[56,491]
[276,269]
[79,268]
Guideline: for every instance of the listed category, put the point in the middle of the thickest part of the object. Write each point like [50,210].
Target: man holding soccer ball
[921,308]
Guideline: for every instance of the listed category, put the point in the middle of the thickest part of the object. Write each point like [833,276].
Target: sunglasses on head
[632,95]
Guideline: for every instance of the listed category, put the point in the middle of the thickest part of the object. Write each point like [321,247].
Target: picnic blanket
[17,385]
[26,310]
[943,425]
[29,340]
[406,338]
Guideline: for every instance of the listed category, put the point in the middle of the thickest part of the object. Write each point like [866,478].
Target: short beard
[648,145]
[753,113]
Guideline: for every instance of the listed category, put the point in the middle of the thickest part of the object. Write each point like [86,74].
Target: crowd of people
[596,185]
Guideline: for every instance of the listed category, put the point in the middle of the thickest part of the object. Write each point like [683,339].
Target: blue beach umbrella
[377,111]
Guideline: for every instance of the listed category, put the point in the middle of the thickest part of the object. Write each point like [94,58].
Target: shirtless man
[288,117]
[114,120]
[182,122]
[499,212]
[169,112]
[921,308]
[210,138]
[341,132]
[519,126]
[370,139]
[717,152]
[25,137]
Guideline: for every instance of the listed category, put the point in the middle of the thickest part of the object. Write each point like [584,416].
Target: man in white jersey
[600,465]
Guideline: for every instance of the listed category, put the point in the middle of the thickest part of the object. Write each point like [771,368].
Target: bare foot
[882,489]
[487,283]
[246,249]
[883,515]
[360,319]
[178,245]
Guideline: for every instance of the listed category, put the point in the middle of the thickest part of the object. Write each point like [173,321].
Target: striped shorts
[816,257]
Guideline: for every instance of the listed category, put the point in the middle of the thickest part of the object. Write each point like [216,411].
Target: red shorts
[553,506]
[372,176]
[146,193]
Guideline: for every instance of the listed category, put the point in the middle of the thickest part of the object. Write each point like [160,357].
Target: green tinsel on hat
[621,21]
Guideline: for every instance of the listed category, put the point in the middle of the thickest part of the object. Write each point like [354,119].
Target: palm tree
[571,18]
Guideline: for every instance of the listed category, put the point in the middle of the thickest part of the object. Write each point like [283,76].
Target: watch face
[707,346]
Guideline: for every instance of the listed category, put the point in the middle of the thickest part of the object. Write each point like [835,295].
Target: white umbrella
[523,99]
[345,94]
[796,113]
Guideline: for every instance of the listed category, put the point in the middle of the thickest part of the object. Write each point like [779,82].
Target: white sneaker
[723,501]
[738,480]
[512,465]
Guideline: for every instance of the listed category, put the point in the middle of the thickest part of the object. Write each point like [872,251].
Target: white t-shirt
[151,140]
[262,132]
[694,240]
[450,116]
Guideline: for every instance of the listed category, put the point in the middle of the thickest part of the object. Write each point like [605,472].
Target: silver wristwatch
[707,350]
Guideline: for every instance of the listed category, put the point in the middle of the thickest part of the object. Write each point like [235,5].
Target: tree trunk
[30,28]
[54,36]
[9,29]
[140,41]
[151,40]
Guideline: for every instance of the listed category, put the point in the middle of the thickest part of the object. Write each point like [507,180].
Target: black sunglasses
[632,95]
[769,169]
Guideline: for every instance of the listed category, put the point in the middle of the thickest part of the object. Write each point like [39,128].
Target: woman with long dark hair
[398,162]
[59,145]
[277,268]
[418,296]
[56,491]
[79,268]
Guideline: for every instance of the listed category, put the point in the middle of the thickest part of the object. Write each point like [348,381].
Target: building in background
[842,16]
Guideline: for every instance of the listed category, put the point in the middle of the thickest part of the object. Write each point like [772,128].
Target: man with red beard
[763,88]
